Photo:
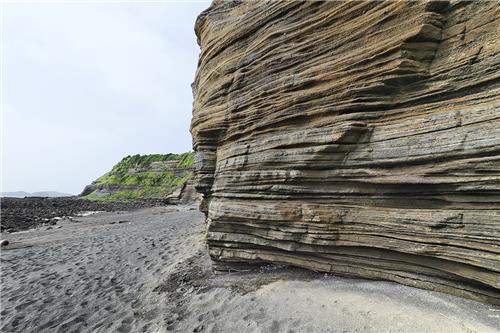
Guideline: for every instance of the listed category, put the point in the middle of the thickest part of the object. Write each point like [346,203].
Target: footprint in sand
[119,289]
[72,322]
[24,305]
[96,326]
[109,308]
[124,328]
[135,304]
[13,298]
[48,300]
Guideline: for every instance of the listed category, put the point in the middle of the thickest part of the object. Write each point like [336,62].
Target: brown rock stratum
[358,138]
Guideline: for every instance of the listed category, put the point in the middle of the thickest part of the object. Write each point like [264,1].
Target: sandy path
[93,275]
[150,273]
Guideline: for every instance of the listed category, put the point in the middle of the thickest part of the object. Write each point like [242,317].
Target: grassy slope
[151,184]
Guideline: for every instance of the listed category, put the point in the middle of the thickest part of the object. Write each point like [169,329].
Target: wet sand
[148,271]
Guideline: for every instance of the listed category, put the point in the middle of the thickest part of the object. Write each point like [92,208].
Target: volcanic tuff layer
[359,138]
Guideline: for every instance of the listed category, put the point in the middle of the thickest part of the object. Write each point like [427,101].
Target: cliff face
[146,176]
[359,138]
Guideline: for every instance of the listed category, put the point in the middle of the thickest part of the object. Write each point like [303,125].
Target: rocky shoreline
[27,213]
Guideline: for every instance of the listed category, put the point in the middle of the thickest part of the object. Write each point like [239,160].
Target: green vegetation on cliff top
[134,177]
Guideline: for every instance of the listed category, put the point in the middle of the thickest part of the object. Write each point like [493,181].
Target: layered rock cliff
[358,138]
[158,176]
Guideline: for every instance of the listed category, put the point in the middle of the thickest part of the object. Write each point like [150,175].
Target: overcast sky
[87,84]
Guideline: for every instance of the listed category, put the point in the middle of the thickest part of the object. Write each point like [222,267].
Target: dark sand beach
[147,270]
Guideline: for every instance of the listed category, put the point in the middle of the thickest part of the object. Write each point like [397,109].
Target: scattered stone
[4,242]
[31,212]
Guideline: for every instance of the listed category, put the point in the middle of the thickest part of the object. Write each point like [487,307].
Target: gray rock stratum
[358,138]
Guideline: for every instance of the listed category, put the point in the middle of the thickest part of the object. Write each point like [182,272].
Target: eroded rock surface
[358,138]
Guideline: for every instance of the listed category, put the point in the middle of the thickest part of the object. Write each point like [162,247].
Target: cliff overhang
[358,138]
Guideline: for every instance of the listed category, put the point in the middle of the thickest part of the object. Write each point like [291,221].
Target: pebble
[4,242]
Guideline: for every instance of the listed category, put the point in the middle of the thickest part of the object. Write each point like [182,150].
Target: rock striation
[358,138]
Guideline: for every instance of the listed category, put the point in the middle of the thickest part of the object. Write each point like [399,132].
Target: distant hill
[22,194]
[143,176]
